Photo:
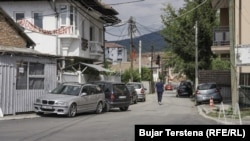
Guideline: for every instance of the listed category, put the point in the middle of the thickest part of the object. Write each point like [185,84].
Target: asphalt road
[111,126]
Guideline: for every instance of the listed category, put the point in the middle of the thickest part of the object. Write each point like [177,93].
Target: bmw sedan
[71,99]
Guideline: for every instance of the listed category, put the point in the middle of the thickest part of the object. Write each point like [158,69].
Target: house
[72,29]
[115,53]
[231,37]
[25,73]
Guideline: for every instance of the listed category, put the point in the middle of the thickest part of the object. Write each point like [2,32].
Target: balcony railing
[95,48]
[221,36]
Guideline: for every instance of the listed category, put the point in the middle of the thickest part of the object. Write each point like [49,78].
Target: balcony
[220,4]
[95,48]
[221,41]
[68,32]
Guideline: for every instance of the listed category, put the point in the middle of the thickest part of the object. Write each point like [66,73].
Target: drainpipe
[104,57]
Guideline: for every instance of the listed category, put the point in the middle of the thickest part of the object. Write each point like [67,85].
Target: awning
[96,67]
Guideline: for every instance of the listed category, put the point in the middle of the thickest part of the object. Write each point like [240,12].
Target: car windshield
[67,89]
[206,86]
[137,86]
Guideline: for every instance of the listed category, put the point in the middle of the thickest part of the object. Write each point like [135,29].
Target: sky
[146,14]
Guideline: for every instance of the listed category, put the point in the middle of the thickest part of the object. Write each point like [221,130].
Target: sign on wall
[242,55]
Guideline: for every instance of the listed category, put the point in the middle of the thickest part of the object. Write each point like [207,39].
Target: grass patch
[229,113]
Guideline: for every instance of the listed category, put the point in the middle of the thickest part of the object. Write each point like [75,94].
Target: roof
[30,42]
[108,13]
[21,51]
[96,67]
[113,45]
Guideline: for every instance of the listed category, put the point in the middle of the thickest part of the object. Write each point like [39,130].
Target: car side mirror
[83,94]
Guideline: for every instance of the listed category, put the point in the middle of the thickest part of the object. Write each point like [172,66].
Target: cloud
[145,13]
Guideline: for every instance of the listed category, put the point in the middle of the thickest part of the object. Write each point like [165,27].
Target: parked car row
[72,98]
[202,94]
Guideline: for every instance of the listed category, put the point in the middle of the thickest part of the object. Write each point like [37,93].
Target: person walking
[159,89]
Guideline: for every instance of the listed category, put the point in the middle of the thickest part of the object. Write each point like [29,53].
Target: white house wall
[52,44]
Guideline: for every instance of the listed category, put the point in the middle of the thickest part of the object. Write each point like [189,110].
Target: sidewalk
[220,115]
[20,116]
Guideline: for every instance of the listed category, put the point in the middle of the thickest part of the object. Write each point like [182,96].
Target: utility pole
[196,55]
[232,53]
[131,29]
[151,72]
[140,59]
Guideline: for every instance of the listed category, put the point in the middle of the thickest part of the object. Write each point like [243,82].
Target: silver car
[140,90]
[206,91]
[70,99]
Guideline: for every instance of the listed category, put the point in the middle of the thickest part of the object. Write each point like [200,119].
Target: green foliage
[218,64]
[145,75]
[179,33]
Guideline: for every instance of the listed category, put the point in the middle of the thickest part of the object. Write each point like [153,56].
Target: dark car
[184,89]
[206,91]
[116,93]
[133,94]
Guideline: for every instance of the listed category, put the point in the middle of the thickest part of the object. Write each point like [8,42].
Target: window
[38,19]
[100,35]
[91,33]
[21,79]
[30,75]
[71,15]
[63,15]
[36,76]
[83,25]
[68,15]
[19,16]
[119,51]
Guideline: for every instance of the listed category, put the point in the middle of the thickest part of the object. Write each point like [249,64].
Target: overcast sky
[146,14]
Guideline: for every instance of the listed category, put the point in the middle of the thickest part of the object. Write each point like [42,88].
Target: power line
[126,2]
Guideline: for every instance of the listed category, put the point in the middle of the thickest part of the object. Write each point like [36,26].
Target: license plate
[122,97]
[47,107]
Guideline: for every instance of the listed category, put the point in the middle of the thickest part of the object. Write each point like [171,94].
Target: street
[112,126]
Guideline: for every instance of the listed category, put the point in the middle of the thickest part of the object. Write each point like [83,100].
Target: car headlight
[63,103]
[38,100]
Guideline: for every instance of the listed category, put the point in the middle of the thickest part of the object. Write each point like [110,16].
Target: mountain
[148,40]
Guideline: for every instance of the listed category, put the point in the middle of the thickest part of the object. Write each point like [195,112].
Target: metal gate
[7,72]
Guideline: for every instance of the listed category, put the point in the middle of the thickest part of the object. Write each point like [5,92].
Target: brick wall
[9,36]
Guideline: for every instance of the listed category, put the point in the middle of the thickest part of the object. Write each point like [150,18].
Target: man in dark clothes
[159,89]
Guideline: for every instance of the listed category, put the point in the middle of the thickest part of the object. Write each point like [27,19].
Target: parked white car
[71,99]
[140,90]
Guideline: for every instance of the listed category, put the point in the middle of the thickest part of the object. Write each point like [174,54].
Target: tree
[218,64]
[179,32]
[136,76]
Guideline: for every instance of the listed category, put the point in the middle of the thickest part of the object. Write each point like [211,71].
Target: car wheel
[72,110]
[40,113]
[124,108]
[197,103]
[99,108]
[106,108]
[135,101]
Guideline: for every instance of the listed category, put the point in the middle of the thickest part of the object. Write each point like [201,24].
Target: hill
[148,40]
